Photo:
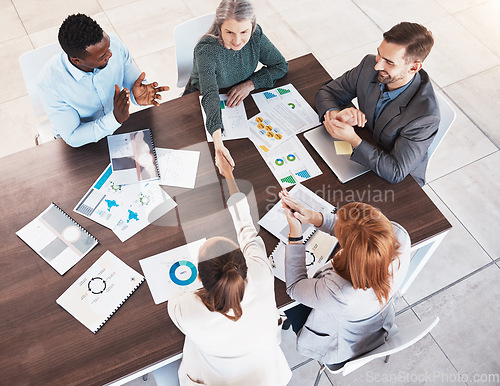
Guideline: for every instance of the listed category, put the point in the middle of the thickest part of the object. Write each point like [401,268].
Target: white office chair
[424,253]
[167,375]
[404,338]
[32,63]
[448,116]
[186,36]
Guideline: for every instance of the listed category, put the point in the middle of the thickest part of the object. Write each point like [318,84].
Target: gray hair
[239,10]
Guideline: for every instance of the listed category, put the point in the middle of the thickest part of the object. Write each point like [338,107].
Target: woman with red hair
[346,308]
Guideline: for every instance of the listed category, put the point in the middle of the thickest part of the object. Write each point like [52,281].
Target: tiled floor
[460,284]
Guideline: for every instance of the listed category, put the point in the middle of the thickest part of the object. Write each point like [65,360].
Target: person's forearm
[232,186]
[217,137]
[317,219]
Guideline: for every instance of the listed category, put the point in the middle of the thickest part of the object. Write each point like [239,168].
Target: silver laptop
[341,164]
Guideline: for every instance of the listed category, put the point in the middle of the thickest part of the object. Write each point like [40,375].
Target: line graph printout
[178,167]
[290,162]
[287,101]
[172,271]
[234,120]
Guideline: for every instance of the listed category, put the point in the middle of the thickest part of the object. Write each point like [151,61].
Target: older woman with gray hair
[227,57]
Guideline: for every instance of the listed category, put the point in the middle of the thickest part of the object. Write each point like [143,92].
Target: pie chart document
[172,271]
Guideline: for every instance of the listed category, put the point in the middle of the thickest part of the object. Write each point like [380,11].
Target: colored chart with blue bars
[269,95]
[281,91]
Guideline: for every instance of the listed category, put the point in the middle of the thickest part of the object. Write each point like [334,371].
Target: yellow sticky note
[343,147]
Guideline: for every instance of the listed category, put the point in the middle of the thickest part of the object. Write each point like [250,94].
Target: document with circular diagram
[287,102]
[290,162]
[172,271]
[96,295]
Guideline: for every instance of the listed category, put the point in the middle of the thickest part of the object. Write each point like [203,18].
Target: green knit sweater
[217,67]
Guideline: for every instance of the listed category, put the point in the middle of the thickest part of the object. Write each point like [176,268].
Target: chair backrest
[448,115]
[186,36]
[32,63]
[406,336]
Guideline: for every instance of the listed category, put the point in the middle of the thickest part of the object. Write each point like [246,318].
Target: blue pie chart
[183,272]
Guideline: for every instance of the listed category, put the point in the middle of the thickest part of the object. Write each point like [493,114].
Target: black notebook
[57,238]
[133,157]
[96,295]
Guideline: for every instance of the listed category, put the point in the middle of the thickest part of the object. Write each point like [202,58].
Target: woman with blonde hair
[346,308]
[227,57]
[231,324]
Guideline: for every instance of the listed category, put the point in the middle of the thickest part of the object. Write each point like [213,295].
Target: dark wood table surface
[40,343]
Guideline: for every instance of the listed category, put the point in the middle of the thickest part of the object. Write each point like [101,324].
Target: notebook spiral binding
[74,222]
[271,256]
[119,305]
[154,152]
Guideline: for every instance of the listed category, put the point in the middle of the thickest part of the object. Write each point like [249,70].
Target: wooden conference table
[41,343]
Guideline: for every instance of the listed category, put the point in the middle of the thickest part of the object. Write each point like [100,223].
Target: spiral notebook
[57,238]
[275,220]
[133,157]
[96,295]
[319,247]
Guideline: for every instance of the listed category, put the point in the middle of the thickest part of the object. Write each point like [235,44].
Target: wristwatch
[295,238]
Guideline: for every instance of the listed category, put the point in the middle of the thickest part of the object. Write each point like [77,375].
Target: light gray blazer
[344,322]
[404,130]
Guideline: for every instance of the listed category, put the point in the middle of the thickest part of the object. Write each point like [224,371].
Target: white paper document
[275,220]
[96,295]
[290,162]
[172,271]
[57,238]
[266,131]
[287,103]
[178,167]
[234,120]
[126,209]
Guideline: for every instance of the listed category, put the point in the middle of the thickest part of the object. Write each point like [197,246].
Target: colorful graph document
[133,157]
[178,167]
[172,271]
[57,238]
[96,295]
[126,209]
[275,220]
[267,131]
[234,120]
[290,162]
[286,102]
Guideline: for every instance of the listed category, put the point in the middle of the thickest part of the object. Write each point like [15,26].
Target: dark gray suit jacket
[404,129]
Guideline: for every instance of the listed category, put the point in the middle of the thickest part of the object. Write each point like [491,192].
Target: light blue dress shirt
[79,104]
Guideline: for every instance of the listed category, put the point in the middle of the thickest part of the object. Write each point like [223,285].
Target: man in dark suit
[396,103]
